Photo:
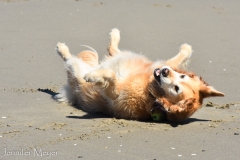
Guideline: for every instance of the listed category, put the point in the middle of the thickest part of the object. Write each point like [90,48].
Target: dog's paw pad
[186,49]
[115,36]
[62,50]
[61,47]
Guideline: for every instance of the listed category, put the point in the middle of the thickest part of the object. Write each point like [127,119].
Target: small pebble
[236,133]
[75,144]
[4,117]
[193,154]
[179,155]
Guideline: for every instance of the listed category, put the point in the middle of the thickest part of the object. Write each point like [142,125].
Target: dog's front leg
[105,81]
[181,110]
[181,60]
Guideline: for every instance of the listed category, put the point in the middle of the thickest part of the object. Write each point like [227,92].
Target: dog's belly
[127,64]
[132,74]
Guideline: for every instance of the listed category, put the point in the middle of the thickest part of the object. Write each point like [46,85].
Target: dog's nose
[165,72]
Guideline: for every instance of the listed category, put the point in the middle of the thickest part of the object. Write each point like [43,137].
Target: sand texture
[34,126]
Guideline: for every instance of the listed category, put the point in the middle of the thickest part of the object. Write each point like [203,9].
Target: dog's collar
[159,107]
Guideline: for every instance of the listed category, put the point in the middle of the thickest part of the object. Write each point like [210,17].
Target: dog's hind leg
[76,69]
[114,41]
[181,60]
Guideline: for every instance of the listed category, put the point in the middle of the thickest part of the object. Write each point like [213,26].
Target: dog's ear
[209,91]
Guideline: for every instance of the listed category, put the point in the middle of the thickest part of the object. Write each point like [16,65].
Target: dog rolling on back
[126,85]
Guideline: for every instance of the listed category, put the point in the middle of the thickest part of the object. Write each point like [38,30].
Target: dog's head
[184,92]
[179,85]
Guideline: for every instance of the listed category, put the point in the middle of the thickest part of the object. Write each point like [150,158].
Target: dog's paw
[186,50]
[189,103]
[63,50]
[114,36]
[94,77]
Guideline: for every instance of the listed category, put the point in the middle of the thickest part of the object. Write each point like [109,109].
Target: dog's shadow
[176,124]
[173,124]
[187,121]
[101,115]
[48,91]
[90,116]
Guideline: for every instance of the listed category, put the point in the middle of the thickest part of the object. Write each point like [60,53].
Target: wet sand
[33,125]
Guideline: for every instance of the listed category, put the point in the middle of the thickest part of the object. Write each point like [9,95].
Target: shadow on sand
[90,116]
[48,91]
[173,124]
[187,121]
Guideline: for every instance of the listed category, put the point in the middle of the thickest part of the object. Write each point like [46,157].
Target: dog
[128,85]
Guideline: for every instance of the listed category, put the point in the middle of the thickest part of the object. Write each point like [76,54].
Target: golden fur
[126,85]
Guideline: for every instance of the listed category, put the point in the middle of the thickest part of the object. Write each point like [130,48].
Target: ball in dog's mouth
[158,112]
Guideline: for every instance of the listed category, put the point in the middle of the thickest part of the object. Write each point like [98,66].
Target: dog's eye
[176,88]
[182,76]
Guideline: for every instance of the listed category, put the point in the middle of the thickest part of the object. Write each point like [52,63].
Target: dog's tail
[92,49]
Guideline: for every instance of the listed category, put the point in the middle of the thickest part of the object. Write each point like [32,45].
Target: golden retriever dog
[129,86]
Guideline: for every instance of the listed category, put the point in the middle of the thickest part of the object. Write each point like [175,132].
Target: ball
[158,116]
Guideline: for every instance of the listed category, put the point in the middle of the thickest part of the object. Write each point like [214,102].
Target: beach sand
[33,125]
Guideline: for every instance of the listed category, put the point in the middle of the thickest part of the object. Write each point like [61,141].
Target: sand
[33,125]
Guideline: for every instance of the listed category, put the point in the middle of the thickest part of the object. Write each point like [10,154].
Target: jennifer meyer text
[5,152]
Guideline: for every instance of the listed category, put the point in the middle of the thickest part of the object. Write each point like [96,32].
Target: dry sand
[33,125]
